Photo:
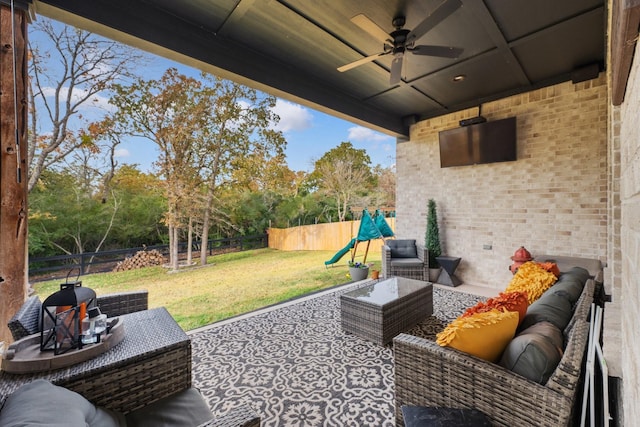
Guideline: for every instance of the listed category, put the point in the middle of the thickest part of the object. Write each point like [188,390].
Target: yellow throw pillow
[484,335]
[532,279]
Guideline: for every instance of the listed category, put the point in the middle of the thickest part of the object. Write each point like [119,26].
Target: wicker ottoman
[380,311]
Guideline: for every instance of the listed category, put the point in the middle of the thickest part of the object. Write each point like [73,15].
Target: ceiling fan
[402,40]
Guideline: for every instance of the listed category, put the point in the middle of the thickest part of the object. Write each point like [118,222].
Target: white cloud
[121,153]
[360,133]
[292,116]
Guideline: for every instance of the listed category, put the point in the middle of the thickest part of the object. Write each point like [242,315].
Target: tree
[64,219]
[236,133]
[432,235]
[142,208]
[343,173]
[69,69]
[204,128]
[67,216]
[384,194]
[169,112]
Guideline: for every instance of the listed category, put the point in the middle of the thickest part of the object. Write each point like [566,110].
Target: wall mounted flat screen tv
[487,142]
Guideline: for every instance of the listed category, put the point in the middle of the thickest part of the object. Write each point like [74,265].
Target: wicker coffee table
[380,311]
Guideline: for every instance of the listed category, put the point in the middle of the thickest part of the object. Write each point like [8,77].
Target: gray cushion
[572,282]
[405,248]
[549,331]
[41,403]
[552,306]
[535,352]
[566,263]
[185,408]
[406,262]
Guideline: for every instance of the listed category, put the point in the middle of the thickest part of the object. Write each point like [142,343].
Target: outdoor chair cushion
[554,306]
[404,248]
[406,262]
[185,408]
[572,282]
[41,403]
[535,352]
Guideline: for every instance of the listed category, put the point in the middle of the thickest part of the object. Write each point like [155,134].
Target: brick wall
[630,243]
[552,200]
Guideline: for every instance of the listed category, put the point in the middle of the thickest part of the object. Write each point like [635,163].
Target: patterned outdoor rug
[296,367]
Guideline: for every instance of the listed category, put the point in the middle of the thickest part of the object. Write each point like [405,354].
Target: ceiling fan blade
[437,16]
[362,61]
[396,69]
[441,51]
[362,21]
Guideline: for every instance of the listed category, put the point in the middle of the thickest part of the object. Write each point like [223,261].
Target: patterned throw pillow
[484,335]
[532,279]
[511,301]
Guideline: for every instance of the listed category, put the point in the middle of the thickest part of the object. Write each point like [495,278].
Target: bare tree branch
[70,71]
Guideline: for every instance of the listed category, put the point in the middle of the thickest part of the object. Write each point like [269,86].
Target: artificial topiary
[432,236]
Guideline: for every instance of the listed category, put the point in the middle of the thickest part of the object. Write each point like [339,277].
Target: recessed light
[459,77]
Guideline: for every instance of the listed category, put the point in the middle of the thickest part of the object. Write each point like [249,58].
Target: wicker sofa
[427,374]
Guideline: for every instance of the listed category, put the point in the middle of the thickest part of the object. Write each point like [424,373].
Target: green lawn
[229,285]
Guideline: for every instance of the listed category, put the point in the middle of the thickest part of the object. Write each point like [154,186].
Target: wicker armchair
[26,321]
[405,258]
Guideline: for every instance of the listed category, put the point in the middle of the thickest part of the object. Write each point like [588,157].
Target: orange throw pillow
[511,301]
[551,267]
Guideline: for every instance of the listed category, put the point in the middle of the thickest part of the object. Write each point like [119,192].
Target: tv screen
[487,142]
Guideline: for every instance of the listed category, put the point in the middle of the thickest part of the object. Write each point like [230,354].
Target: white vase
[434,273]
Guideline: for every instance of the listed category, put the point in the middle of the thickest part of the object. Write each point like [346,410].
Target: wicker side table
[380,311]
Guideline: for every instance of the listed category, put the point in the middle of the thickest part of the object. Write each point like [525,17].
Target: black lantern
[62,314]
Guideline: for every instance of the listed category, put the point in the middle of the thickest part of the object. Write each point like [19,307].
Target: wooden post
[366,252]
[13,164]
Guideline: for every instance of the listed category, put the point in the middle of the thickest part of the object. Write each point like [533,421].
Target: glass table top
[388,290]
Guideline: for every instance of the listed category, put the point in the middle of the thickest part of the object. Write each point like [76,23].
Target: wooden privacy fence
[320,237]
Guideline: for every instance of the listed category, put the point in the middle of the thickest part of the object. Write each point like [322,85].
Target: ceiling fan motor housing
[399,40]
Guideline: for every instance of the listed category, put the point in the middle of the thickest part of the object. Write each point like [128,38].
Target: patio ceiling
[292,48]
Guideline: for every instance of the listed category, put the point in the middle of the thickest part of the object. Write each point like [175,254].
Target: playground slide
[341,252]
